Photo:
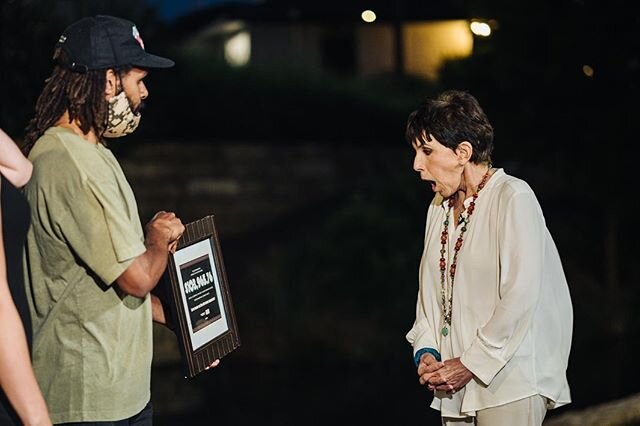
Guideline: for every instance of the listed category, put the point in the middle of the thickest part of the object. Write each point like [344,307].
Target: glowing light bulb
[481,29]
[368,16]
[588,70]
[237,50]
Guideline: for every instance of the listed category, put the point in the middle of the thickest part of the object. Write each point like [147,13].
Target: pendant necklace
[447,302]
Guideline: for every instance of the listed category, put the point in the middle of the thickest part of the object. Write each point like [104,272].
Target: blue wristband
[418,355]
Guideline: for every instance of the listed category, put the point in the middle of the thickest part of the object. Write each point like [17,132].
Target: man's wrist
[156,244]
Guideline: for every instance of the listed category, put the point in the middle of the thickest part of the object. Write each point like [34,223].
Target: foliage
[340,280]
[276,104]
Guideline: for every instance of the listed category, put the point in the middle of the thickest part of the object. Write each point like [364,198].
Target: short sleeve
[100,230]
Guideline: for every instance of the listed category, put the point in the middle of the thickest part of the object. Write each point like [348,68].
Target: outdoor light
[237,49]
[368,16]
[480,28]
[588,70]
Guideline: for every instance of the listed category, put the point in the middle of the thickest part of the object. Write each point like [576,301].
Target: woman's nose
[417,164]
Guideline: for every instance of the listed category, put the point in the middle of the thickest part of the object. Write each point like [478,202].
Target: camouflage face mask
[121,119]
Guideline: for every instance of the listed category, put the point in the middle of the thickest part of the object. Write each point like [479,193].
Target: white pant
[524,412]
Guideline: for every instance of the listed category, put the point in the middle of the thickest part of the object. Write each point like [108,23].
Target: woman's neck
[471,177]
[74,126]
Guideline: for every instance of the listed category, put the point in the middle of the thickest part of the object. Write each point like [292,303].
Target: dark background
[325,287]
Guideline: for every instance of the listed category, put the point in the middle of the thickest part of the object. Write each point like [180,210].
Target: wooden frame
[199,298]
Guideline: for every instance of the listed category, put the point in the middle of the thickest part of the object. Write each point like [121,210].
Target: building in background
[345,39]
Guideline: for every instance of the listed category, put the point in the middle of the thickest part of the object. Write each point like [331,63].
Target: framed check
[199,297]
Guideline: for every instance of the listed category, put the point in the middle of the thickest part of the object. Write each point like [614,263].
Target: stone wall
[616,413]
[248,185]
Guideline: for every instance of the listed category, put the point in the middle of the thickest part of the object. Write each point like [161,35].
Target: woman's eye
[427,151]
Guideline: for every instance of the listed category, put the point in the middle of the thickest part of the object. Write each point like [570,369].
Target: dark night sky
[171,9]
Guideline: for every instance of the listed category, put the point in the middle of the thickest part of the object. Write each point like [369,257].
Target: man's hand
[427,369]
[163,229]
[143,274]
[450,378]
[213,364]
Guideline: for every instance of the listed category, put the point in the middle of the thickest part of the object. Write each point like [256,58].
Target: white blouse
[512,317]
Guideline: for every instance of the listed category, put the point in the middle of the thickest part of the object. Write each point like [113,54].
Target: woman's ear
[464,152]
[111,84]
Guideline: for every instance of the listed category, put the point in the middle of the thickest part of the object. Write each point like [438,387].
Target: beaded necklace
[447,303]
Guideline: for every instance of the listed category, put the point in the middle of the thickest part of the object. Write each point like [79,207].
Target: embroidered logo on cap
[136,35]
[62,39]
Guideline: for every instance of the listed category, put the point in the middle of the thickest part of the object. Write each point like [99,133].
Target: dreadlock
[81,94]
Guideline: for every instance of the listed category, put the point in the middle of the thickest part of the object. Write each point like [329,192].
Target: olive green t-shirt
[92,343]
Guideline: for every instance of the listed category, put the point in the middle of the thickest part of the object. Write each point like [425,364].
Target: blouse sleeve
[521,239]
[422,334]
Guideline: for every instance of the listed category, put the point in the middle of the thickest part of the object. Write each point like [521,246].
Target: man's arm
[145,271]
[157,310]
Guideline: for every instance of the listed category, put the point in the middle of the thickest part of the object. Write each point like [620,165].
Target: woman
[494,318]
[20,399]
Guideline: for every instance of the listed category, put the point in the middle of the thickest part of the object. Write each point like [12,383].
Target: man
[89,267]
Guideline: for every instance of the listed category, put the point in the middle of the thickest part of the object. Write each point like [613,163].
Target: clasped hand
[448,376]
[164,228]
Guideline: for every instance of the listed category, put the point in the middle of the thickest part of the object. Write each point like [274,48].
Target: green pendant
[445,331]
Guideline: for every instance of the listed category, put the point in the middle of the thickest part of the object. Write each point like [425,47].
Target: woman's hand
[452,377]
[427,368]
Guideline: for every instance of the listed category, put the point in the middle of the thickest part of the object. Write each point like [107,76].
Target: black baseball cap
[102,42]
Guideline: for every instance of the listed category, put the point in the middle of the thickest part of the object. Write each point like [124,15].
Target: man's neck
[73,125]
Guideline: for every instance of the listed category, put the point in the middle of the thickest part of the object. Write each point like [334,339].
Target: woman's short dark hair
[453,117]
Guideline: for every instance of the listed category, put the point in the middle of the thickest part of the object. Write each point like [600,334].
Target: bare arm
[13,165]
[157,310]
[147,269]
[16,374]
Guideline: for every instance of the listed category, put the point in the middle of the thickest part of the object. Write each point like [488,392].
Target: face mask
[121,120]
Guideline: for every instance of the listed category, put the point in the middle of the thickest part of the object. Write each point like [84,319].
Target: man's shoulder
[63,155]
